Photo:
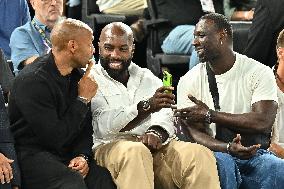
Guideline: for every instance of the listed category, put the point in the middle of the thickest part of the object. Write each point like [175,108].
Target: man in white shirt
[278,135]
[133,126]
[243,118]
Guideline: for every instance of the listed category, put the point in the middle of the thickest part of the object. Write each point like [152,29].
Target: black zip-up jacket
[45,114]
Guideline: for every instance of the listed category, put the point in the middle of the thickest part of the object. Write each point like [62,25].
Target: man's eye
[107,48]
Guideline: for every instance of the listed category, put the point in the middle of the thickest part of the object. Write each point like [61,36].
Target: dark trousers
[43,170]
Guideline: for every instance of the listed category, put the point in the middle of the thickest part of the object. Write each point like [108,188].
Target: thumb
[237,139]
[9,160]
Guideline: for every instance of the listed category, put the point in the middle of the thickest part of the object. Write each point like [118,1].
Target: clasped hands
[79,164]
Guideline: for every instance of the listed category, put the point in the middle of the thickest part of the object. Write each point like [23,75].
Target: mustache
[108,59]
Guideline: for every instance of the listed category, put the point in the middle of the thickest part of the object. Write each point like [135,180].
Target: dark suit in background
[268,21]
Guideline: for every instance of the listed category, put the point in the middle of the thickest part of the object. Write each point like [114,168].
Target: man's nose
[115,53]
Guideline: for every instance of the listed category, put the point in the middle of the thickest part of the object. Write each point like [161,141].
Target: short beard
[118,75]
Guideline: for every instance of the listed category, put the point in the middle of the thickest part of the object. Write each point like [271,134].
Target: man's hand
[79,164]
[195,113]
[236,149]
[6,174]
[152,141]
[15,187]
[277,149]
[161,99]
[87,86]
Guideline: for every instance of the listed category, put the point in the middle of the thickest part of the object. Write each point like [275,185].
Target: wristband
[155,133]
[83,99]
[228,147]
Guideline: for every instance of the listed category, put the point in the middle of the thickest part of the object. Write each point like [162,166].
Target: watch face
[146,105]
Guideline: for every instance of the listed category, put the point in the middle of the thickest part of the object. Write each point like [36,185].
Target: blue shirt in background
[26,42]
[14,13]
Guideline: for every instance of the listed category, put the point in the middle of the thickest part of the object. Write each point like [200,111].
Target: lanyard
[46,41]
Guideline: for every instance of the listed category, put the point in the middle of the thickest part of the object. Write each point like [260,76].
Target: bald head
[117,29]
[66,30]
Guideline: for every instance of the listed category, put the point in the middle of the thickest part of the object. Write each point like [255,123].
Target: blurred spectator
[268,21]
[279,73]
[32,39]
[239,9]
[125,7]
[13,14]
[177,37]
[10,173]
[74,9]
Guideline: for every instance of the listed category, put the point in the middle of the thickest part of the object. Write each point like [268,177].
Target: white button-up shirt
[115,105]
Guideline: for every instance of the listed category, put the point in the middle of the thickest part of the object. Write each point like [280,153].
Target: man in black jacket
[268,21]
[9,170]
[50,115]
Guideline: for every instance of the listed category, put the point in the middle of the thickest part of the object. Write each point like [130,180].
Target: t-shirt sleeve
[264,86]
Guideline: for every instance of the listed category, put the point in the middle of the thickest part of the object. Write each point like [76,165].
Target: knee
[73,181]
[133,149]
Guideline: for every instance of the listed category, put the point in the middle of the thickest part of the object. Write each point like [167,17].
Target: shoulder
[22,31]
[249,65]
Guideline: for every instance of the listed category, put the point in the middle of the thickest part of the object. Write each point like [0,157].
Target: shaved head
[66,30]
[117,29]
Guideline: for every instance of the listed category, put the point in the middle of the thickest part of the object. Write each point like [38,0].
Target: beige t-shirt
[247,82]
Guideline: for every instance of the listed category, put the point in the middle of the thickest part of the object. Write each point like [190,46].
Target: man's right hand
[161,99]
[87,86]
[6,174]
[236,149]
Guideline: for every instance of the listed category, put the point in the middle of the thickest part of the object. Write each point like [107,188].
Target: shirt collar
[41,25]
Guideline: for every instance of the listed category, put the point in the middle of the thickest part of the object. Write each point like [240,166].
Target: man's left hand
[79,164]
[152,141]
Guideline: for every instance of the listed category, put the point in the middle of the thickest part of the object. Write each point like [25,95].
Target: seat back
[155,56]
[240,35]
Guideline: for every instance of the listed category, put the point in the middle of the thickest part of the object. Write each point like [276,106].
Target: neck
[48,23]
[62,63]
[123,78]
[223,63]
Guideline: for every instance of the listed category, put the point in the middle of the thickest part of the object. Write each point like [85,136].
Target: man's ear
[72,46]
[32,2]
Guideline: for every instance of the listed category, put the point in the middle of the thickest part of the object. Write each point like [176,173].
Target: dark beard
[118,75]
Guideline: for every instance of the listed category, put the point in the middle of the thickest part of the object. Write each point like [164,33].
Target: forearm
[253,122]
[142,115]
[206,140]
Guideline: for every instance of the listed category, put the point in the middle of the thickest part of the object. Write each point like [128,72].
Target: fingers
[237,139]
[152,141]
[6,173]
[163,89]
[90,65]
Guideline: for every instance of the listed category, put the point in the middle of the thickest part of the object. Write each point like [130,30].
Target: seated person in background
[268,21]
[33,39]
[12,15]
[125,7]
[10,173]
[177,37]
[133,127]
[50,116]
[245,103]
[278,146]
[239,10]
